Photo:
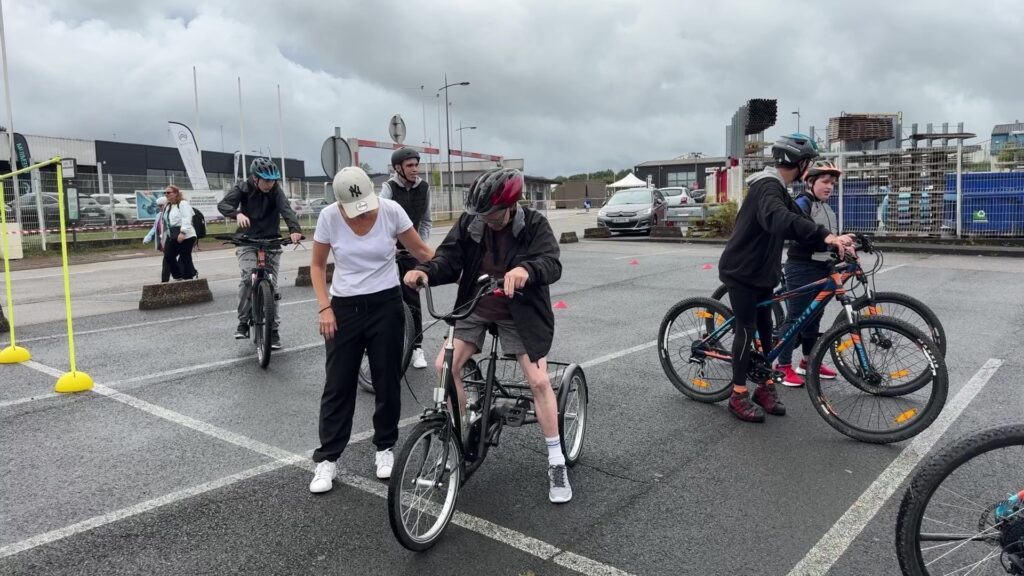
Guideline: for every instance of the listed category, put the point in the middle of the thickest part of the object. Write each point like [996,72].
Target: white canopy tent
[629,181]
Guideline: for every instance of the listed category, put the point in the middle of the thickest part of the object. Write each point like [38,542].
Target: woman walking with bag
[362,313]
[181,236]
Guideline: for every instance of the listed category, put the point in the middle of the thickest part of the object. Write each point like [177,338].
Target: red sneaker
[792,379]
[824,371]
[766,396]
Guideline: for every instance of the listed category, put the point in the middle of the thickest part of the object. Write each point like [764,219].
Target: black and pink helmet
[494,190]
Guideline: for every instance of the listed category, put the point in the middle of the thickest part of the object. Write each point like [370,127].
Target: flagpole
[280,127]
[241,129]
[195,133]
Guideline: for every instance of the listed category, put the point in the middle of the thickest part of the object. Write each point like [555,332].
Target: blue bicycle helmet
[264,168]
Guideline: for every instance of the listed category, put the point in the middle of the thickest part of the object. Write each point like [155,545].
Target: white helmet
[354,191]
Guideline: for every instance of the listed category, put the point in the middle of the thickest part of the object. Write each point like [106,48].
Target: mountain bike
[963,512]
[262,294]
[894,380]
[870,302]
[448,446]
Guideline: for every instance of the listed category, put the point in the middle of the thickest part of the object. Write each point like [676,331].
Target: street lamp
[462,157]
[797,112]
[448,133]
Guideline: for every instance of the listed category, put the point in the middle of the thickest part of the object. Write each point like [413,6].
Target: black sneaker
[242,332]
[275,341]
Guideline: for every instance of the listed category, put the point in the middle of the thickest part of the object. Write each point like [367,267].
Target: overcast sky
[567,85]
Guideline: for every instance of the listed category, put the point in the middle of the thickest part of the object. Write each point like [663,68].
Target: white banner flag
[189,150]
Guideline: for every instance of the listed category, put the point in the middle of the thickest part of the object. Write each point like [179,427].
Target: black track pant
[374,323]
[749,319]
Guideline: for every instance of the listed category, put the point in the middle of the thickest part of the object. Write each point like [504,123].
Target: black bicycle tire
[927,479]
[265,304]
[664,355]
[563,394]
[365,382]
[778,312]
[394,486]
[938,332]
[939,381]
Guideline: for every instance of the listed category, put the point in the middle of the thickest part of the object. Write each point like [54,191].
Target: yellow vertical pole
[13,354]
[73,381]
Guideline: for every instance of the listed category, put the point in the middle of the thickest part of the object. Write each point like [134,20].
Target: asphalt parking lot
[187,458]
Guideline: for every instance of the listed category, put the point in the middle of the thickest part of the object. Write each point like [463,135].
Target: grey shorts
[474,331]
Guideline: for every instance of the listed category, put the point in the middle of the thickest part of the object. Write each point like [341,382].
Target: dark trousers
[374,324]
[178,258]
[749,319]
[411,297]
[800,273]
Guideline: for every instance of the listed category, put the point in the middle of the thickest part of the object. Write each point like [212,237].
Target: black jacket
[768,217]
[264,210]
[536,249]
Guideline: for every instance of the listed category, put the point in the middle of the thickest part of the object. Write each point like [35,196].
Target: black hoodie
[768,217]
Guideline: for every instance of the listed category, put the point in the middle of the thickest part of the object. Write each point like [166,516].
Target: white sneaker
[559,490]
[385,461]
[323,478]
[418,361]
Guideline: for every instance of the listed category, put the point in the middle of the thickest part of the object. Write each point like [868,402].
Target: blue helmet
[264,168]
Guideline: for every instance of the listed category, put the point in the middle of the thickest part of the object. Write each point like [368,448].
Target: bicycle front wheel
[901,307]
[695,348]
[424,485]
[263,319]
[863,405]
[365,378]
[963,512]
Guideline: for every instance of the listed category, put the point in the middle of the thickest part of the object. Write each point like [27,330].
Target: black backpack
[199,223]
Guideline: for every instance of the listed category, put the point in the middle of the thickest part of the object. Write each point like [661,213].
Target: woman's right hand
[414,278]
[328,324]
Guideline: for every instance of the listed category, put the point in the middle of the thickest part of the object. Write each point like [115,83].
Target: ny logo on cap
[355,191]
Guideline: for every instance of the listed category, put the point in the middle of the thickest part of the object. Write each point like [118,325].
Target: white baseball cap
[354,191]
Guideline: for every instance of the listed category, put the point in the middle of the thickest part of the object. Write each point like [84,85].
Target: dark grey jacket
[458,259]
[264,210]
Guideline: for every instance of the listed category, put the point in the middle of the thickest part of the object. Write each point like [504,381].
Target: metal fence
[955,190]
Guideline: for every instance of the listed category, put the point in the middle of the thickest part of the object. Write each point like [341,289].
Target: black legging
[178,258]
[749,318]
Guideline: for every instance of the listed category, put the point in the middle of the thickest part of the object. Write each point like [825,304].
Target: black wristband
[328,307]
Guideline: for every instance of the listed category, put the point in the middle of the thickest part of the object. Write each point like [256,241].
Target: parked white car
[124,211]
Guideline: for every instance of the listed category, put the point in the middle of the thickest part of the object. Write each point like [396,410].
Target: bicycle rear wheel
[901,307]
[365,378]
[864,407]
[263,320]
[956,517]
[696,363]
[572,413]
[424,485]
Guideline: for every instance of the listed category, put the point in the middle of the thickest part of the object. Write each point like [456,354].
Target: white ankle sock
[555,456]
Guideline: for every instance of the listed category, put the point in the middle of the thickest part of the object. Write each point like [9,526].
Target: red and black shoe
[742,408]
[824,372]
[767,397]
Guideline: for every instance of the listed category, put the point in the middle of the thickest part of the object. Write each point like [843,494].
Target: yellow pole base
[14,355]
[73,382]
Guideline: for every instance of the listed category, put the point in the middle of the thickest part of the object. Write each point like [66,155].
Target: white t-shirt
[363,264]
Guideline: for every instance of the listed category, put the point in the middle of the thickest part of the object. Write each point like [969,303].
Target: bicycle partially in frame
[892,383]
[451,442]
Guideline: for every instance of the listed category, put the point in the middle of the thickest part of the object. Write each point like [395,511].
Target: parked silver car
[632,210]
[681,206]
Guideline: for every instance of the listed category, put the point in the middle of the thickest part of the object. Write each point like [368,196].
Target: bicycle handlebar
[487,285]
[245,240]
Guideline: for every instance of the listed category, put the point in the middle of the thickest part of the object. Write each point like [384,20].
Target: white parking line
[835,542]
[486,528]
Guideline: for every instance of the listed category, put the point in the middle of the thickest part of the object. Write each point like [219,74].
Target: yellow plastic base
[73,382]
[14,355]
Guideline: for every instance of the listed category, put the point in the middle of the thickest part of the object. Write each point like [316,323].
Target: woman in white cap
[361,313]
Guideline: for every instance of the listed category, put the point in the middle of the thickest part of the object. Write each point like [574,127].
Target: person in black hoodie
[750,264]
[413,194]
[498,237]
[258,205]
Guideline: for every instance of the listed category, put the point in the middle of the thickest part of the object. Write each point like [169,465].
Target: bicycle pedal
[516,415]
[778,376]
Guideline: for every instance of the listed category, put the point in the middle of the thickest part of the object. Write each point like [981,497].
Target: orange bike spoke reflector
[719,319]
[905,417]
[704,314]
[900,373]
[701,383]
[873,311]
[845,344]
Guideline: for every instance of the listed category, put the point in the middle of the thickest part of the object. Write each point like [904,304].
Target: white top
[363,264]
[180,215]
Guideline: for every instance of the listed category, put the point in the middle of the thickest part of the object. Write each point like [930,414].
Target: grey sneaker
[559,491]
